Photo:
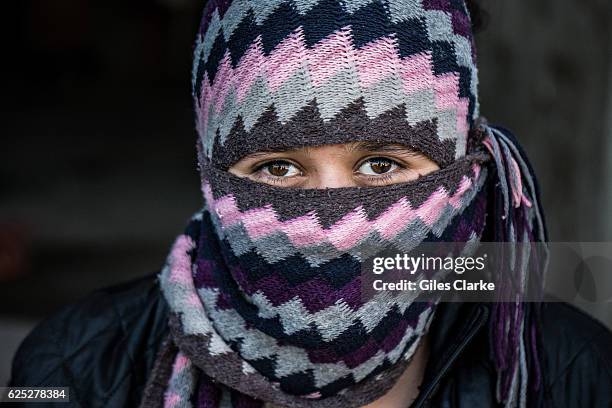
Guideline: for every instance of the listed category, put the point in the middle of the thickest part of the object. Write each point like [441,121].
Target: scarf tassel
[517,221]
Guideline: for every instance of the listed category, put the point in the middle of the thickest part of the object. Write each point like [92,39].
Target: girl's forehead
[363,146]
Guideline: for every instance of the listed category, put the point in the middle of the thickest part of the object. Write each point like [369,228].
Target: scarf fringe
[517,220]
[155,389]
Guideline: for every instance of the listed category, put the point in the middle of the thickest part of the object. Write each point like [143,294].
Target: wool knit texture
[272,315]
[264,286]
[269,74]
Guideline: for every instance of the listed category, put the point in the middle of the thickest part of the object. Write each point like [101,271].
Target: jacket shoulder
[578,357]
[102,347]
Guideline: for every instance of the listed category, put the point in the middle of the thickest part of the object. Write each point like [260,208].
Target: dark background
[97,160]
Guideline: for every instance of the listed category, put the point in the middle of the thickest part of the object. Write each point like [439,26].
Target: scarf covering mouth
[264,286]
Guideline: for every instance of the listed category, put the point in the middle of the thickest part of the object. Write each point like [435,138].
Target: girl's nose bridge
[331,169]
[332,178]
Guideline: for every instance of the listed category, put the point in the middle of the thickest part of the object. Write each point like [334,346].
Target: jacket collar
[455,326]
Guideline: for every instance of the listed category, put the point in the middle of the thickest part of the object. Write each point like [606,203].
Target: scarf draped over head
[264,286]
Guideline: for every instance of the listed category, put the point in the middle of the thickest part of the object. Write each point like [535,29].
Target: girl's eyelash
[259,174]
[276,180]
[382,179]
[396,162]
[260,166]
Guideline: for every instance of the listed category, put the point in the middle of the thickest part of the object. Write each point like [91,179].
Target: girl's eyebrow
[364,146]
[307,150]
[257,155]
[382,147]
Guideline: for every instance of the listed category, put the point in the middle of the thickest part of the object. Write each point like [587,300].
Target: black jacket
[103,348]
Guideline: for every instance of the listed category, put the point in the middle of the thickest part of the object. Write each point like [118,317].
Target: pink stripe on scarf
[250,67]
[261,222]
[205,101]
[304,231]
[286,59]
[447,91]
[180,268]
[226,210]
[331,55]
[462,113]
[180,363]
[349,230]
[377,60]
[517,184]
[171,400]
[431,210]
[417,73]
[455,200]
[223,82]
[395,219]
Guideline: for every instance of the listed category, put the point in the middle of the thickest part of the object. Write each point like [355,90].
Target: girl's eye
[280,169]
[377,166]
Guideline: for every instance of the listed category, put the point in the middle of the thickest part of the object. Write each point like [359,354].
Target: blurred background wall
[97,161]
[546,73]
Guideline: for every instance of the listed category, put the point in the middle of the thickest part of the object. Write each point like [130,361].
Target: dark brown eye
[280,169]
[377,166]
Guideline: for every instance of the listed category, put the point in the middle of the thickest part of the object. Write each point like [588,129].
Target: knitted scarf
[264,286]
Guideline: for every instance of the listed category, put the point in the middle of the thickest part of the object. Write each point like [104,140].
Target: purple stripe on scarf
[208,395]
[353,359]
[461,24]
[393,339]
[366,351]
[244,401]
[203,277]
[443,5]
[316,294]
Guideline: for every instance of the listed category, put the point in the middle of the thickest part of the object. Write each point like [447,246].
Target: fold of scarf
[250,326]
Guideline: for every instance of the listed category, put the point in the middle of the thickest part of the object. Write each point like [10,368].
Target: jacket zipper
[476,326]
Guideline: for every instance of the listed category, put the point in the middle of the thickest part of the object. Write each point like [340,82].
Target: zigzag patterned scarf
[267,305]
[264,287]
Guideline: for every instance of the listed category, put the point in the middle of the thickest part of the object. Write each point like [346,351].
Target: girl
[329,131]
